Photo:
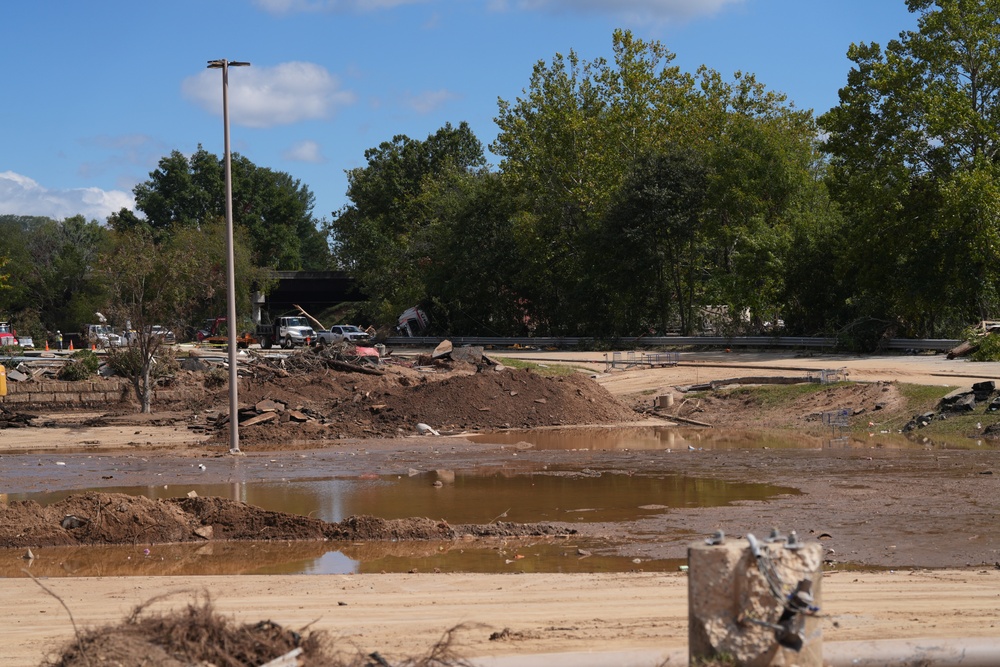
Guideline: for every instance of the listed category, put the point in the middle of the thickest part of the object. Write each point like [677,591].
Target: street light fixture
[234,415]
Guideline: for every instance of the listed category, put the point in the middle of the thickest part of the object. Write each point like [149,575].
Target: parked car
[168,336]
[102,335]
[342,333]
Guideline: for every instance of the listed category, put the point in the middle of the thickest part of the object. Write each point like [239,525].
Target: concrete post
[751,602]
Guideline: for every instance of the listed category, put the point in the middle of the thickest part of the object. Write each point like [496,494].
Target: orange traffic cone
[71,346]
[93,347]
[46,346]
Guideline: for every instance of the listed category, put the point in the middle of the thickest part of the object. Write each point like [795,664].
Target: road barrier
[810,342]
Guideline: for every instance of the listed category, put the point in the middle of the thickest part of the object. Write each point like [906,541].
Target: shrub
[988,350]
[216,377]
[82,365]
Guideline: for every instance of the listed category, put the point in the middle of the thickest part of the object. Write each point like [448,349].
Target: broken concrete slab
[260,419]
[472,354]
[443,349]
[16,375]
[267,405]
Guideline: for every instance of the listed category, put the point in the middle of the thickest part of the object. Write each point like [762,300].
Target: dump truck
[7,335]
[286,331]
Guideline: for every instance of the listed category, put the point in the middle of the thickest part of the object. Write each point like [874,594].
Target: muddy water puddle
[559,555]
[472,496]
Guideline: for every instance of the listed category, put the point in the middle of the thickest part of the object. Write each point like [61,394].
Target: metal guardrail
[937,344]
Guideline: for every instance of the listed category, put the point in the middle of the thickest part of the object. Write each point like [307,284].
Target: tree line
[630,197]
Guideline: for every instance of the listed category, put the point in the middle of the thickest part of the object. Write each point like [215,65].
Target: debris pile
[345,357]
[960,401]
[195,635]
[10,419]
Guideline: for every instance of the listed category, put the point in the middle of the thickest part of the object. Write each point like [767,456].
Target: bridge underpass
[313,290]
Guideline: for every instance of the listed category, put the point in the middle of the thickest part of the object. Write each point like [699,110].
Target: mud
[450,398]
[111,518]
[871,504]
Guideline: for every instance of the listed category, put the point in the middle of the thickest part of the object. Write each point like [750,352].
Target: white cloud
[661,10]
[268,96]
[20,195]
[305,151]
[304,6]
[429,100]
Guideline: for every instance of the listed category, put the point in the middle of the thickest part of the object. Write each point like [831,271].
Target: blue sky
[96,93]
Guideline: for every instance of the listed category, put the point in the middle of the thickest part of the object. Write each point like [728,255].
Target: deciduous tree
[914,145]
[274,208]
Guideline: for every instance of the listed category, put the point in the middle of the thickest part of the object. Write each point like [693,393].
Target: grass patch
[541,369]
[949,426]
[777,395]
[921,398]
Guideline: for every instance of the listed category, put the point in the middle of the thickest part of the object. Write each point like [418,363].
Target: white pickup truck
[342,333]
[102,335]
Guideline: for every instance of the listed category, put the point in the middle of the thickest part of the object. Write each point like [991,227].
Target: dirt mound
[112,518]
[341,404]
[745,407]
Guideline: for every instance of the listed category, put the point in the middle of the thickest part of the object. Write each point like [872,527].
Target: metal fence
[629,359]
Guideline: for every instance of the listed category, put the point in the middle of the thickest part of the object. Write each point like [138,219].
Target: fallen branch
[310,317]
[686,420]
[76,630]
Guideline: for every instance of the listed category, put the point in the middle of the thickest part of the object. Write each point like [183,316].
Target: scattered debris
[9,419]
[424,429]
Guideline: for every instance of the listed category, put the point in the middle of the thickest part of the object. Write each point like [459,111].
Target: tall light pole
[234,408]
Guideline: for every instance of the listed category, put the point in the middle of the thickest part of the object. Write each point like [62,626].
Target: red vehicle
[7,335]
[214,333]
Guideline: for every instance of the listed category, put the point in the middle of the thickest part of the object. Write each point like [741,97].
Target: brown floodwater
[560,555]
[476,496]
[525,493]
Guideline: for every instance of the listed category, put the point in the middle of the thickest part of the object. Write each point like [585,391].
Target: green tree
[274,208]
[167,283]
[473,279]
[566,146]
[914,145]
[385,235]
[763,161]
[141,288]
[654,230]
[582,130]
[51,271]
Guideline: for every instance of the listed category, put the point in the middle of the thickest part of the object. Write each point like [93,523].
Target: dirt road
[935,509]
[404,615]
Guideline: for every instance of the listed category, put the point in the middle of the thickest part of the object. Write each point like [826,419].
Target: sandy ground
[403,614]
[400,615]
[696,367]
